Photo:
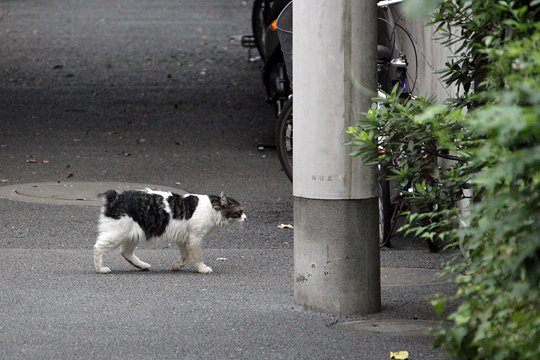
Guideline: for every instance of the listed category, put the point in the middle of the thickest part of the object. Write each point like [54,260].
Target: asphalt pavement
[160,92]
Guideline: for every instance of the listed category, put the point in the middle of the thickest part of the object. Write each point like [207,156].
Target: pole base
[336,255]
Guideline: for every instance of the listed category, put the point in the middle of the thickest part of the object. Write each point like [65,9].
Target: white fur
[187,234]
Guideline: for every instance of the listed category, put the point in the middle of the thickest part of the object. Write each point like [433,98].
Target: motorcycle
[266,39]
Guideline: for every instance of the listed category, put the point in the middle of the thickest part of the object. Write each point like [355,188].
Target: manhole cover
[70,193]
[397,327]
[392,277]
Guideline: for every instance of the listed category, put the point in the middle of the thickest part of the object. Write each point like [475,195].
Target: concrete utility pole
[336,246]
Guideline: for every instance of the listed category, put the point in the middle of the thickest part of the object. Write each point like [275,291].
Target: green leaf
[439,305]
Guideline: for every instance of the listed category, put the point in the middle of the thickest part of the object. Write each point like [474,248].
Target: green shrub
[492,132]
[408,138]
[499,285]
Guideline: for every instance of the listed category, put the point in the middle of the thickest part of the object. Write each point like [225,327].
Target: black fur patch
[145,209]
[215,201]
[183,207]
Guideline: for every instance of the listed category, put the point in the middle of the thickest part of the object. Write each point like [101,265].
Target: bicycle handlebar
[388,2]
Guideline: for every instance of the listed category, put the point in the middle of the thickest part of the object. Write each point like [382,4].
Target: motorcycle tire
[284,138]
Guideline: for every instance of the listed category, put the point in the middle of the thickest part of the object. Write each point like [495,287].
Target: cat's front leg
[184,256]
[195,252]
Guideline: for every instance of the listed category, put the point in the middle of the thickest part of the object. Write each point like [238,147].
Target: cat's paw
[103,270]
[178,264]
[144,266]
[204,269]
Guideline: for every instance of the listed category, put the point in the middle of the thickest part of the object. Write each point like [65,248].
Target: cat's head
[230,209]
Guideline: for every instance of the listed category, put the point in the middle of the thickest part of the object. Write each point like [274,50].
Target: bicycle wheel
[259,21]
[284,138]
[386,210]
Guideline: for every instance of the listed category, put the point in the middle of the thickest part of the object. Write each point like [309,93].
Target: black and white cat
[131,216]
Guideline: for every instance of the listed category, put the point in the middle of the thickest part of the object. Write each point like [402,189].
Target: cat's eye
[235,215]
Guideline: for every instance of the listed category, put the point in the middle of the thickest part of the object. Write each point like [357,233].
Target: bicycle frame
[399,61]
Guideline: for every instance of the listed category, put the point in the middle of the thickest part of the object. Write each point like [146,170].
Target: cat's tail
[110,196]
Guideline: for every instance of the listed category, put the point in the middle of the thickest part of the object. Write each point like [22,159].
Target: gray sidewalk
[156,92]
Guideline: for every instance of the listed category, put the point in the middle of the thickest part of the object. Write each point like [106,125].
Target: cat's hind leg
[104,244]
[184,256]
[127,253]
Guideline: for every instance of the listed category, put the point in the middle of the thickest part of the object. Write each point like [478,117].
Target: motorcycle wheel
[284,138]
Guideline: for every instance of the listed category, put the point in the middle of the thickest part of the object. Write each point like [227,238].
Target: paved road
[156,92]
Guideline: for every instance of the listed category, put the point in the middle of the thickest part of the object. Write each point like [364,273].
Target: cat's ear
[223,199]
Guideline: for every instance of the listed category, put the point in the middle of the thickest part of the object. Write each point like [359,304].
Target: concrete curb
[394,327]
